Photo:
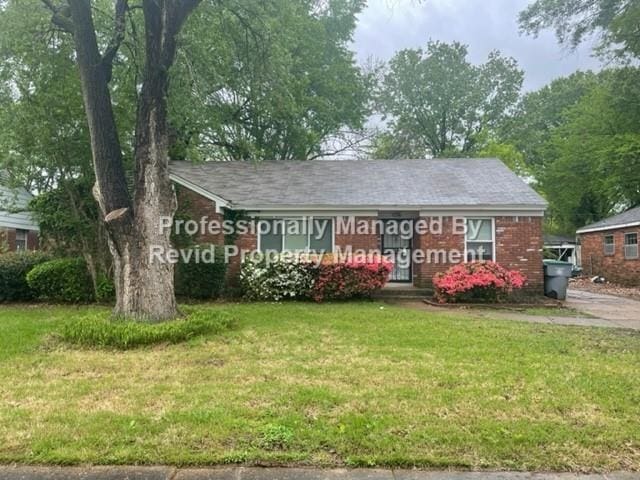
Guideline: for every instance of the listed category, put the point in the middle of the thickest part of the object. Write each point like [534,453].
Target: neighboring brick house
[503,214]
[18,229]
[609,248]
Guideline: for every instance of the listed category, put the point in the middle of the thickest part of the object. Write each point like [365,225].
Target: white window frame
[605,245]
[493,237]
[309,220]
[629,257]
[26,239]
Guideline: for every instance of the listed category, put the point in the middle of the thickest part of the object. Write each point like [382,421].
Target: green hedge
[98,331]
[14,268]
[200,279]
[64,280]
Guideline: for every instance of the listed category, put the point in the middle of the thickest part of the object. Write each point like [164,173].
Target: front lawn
[355,384]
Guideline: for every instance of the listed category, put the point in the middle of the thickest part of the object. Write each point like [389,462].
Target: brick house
[609,248]
[18,229]
[427,214]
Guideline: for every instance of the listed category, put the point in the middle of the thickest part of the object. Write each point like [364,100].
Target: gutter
[608,227]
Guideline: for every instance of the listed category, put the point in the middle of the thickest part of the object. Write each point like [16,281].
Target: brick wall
[8,239]
[518,247]
[446,241]
[368,242]
[196,207]
[615,268]
[519,244]
[33,240]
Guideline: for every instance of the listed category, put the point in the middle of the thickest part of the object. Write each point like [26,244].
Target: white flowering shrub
[275,278]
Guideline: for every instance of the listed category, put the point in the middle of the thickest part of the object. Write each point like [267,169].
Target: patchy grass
[356,384]
[553,312]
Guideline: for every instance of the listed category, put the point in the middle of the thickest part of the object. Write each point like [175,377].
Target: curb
[260,473]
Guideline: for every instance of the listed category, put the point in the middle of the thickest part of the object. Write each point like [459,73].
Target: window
[631,246]
[609,245]
[296,235]
[479,239]
[21,240]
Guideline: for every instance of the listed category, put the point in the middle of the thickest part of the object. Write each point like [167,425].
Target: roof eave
[398,207]
[607,227]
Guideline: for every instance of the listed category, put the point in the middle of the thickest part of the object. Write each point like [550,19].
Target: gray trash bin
[556,278]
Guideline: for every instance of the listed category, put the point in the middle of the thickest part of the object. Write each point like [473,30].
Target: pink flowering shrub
[477,282]
[340,281]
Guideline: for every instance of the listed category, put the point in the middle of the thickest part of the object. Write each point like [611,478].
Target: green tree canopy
[591,167]
[614,21]
[437,102]
[283,80]
[540,112]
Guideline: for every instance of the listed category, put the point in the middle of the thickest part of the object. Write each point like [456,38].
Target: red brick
[518,241]
[615,268]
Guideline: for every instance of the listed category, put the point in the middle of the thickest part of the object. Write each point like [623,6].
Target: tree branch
[119,25]
[61,16]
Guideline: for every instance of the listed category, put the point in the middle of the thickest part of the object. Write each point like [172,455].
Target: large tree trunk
[144,285]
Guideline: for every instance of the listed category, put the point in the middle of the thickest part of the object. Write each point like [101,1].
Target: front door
[398,247]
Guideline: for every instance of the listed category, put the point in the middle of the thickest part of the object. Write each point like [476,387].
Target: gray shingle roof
[629,217]
[362,183]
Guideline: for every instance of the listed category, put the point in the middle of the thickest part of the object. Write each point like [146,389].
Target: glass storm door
[398,247]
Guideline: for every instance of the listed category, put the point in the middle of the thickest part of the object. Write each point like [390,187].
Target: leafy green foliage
[616,21]
[593,164]
[64,280]
[438,103]
[201,279]
[539,113]
[14,268]
[69,219]
[98,331]
[275,437]
[508,153]
[44,141]
[105,290]
[267,80]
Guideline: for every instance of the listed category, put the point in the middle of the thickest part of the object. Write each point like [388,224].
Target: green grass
[347,384]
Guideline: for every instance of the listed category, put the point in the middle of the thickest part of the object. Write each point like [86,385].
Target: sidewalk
[257,473]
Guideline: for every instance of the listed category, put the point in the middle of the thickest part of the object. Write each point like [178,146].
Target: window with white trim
[480,239]
[631,246]
[22,239]
[296,235]
[609,245]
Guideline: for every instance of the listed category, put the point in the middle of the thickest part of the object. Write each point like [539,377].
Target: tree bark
[144,285]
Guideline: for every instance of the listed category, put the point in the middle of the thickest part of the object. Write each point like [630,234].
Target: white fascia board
[311,213]
[609,227]
[220,202]
[373,210]
[484,211]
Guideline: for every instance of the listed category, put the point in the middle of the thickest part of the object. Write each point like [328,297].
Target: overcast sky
[386,26]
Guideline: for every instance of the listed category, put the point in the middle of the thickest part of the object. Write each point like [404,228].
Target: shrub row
[201,279]
[64,280]
[279,277]
[14,268]
[27,276]
[98,331]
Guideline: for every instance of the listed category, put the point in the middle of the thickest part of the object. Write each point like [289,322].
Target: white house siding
[13,209]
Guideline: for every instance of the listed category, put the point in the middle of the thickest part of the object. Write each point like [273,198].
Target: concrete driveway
[618,311]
